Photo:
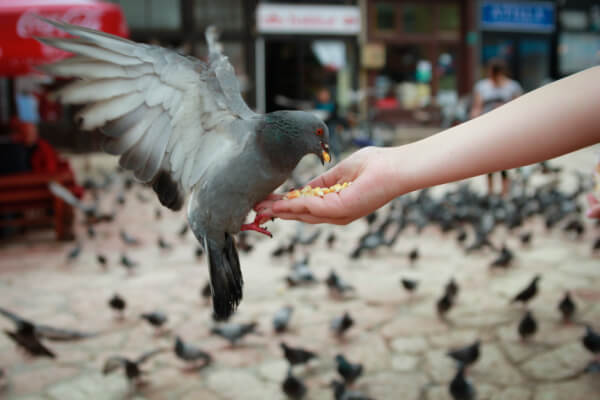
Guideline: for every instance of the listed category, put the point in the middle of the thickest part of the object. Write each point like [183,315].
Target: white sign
[308,19]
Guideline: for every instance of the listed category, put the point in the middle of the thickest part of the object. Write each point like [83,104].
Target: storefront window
[578,51]
[385,17]
[449,18]
[416,18]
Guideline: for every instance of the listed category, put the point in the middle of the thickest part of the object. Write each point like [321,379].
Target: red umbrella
[20,52]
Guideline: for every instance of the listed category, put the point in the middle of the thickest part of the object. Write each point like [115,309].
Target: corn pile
[317,191]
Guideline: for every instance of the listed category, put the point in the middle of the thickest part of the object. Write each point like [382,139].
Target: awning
[20,52]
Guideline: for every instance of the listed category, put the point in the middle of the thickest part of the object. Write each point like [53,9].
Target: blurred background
[80,263]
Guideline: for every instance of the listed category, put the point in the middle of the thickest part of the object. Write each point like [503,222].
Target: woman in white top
[490,93]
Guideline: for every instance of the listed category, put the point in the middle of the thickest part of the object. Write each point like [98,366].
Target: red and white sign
[308,19]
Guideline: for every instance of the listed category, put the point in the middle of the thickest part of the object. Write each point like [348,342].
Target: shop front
[428,56]
[306,56]
[522,34]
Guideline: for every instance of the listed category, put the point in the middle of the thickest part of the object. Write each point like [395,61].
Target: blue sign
[530,17]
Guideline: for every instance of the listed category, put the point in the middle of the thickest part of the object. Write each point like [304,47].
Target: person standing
[490,93]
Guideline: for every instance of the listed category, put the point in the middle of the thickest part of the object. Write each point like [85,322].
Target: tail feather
[225,277]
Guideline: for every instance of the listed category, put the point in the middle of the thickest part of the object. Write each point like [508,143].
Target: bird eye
[319,132]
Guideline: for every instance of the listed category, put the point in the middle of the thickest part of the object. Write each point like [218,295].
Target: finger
[328,206]
[311,219]
[267,201]
[329,178]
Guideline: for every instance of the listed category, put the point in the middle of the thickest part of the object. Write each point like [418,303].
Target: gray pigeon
[182,127]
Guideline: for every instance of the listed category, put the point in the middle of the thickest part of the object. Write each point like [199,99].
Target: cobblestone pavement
[398,338]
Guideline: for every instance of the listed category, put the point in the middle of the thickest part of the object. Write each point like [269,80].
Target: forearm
[550,121]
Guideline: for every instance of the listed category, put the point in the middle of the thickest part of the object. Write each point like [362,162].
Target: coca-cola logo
[30,25]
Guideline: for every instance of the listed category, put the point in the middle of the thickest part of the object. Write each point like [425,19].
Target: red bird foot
[255,225]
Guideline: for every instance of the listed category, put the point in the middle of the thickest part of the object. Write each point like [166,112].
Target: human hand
[594,210]
[372,173]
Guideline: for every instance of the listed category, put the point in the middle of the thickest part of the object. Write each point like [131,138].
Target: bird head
[296,133]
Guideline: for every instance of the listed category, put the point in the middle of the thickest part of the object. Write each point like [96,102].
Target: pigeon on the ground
[101,259]
[525,238]
[282,318]
[527,326]
[567,307]
[296,355]
[58,190]
[347,370]
[460,388]
[339,325]
[163,244]
[91,232]
[591,341]
[410,285]
[413,255]
[118,304]
[128,263]
[199,252]
[444,304]
[284,249]
[74,252]
[233,332]
[529,292]
[466,355]
[337,286]
[128,239]
[341,392]
[331,238]
[452,288]
[155,318]
[504,258]
[183,230]
[462,236]
[192,355]
[205,292]
[182,126]
[596,244]
[293,386]
[132,369]
[26,336]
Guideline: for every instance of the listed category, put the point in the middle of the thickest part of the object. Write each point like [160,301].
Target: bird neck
[281,142]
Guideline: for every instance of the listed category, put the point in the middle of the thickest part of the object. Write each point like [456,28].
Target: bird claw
[255,225]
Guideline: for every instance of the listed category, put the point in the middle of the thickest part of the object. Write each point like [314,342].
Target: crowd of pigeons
[471,218]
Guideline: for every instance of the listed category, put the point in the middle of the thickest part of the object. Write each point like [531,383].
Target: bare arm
[553,120]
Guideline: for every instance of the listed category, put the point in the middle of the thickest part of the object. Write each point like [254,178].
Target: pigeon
[182,126]
[206,292]
[306,240]
[460,388]
[527,326]
[163,245]
[529,292]
[293,386]
[130,367]
[58,190]
[591,340]
[466,355]
[155,318]
[284,249]
[118,304]
[596,244]
[409,284]
[444,304]
[192,355]
[45,331]
[452,288]
[371,218]
[504,258]
[567,307]
[199,252]
[183,230]
[234,332]
[331,238]
[74,253]
[525,238]
[341,392]
[282,318]
[101,259]
[462,236]
[142,198]
[296,355]
[347,370]
[128,263]
[91,232]
[121,199]
[25,336]
[339,325]
[413,255]
[336,285]
[128,239]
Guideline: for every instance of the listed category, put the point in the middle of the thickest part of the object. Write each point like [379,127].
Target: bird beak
[325,156]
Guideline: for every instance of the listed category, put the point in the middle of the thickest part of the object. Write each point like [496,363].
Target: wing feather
[163,113]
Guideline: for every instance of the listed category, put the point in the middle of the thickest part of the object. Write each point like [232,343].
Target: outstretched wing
[161,112]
